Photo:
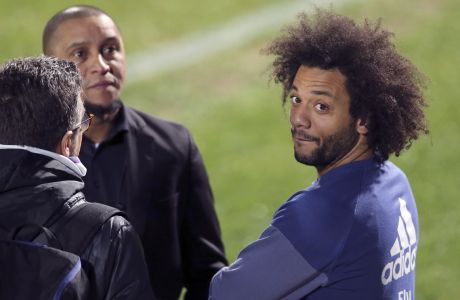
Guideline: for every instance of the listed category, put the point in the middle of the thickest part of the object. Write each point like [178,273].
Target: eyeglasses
[85,124]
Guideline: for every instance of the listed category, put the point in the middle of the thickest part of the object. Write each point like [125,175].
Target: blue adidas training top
[352,234]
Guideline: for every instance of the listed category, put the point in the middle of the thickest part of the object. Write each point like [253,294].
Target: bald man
[148,167]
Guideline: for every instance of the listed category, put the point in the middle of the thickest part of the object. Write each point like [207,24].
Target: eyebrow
[112,39]
[76,45]
[323,93]
[79,44]
[316,92]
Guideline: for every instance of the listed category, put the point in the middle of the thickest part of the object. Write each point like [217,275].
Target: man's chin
[99,110]
[303,159]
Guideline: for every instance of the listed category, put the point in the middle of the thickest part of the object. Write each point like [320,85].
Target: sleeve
[202,247]
[128,278]
[291,258]
[269,268]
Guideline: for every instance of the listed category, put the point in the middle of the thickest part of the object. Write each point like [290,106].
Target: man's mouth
[101,84]
[303,137]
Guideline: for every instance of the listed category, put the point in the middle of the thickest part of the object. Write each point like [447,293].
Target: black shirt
[105,163]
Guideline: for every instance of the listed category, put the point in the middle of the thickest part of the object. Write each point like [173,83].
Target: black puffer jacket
[35,183]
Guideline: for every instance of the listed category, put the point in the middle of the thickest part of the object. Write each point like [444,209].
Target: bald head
[73,12]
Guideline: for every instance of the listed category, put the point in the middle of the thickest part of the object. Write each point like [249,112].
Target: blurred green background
[237,119]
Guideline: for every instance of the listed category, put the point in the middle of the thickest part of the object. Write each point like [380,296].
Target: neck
[361,151]
[101,127]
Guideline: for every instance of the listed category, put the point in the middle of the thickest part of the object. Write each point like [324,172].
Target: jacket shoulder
[116,259]
[143,123]
[155,135]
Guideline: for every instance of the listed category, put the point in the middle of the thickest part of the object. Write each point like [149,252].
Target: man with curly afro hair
[353,234]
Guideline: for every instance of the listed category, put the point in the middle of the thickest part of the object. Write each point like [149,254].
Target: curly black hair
[384,87]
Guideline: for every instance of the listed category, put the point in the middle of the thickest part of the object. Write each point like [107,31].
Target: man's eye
[295,100]
[321,107]
[109,50]
[78,54]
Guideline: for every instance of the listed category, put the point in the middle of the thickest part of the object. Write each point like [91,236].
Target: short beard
[332,149]
[101,111]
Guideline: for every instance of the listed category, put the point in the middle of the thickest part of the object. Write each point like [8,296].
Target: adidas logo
[402,249]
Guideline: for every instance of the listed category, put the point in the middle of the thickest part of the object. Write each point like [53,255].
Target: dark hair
[39,101]
[385,88]
[72,12]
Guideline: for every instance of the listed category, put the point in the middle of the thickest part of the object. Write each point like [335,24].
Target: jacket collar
[73,166]
[34,183]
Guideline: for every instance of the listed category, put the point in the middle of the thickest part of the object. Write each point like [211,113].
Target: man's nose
[300,117]
[100,64]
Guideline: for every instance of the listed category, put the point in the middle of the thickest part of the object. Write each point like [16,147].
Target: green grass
[144,23]
[237,119]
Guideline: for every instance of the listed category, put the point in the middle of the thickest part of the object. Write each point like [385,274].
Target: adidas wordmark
[403,251]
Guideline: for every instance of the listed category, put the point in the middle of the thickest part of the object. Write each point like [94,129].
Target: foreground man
[148,167]
[352,234]
[42,120]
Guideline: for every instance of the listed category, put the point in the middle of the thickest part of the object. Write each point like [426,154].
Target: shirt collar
[120,124]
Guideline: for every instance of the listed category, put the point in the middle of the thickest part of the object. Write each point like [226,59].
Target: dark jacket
[166,193]
[35,184]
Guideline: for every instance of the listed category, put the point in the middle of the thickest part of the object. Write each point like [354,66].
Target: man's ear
[361,126]
[64,145]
